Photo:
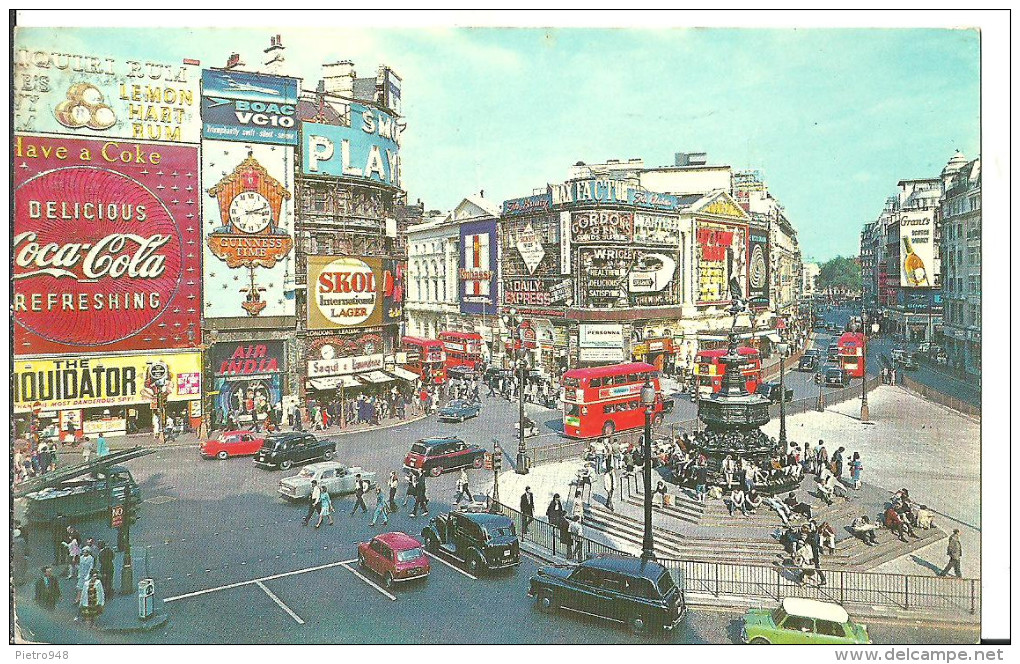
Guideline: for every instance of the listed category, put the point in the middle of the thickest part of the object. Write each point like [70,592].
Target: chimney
[339,78]
[234,61]
[481,194]
[274,56]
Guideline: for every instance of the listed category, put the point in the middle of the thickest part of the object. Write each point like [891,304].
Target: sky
[832,118]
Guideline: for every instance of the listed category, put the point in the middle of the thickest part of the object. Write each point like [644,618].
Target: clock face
[327,352]
[249,212]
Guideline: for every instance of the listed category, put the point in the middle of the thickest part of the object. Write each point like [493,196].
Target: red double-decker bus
[850,354]
[426,358]
[463,349]
[709,370]
[602,400]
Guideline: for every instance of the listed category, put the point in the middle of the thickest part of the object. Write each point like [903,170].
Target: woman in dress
[93,599]
[856,466]
[325,507]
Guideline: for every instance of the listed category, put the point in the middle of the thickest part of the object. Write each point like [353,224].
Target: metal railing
[938,397]
[773,583]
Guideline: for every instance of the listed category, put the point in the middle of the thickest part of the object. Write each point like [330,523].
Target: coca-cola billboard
[105,248]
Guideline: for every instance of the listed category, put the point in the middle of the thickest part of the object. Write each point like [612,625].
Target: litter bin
[146,592]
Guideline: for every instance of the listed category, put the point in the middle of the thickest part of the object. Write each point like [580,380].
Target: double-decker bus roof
[611,370]
[851,340]
[719,352]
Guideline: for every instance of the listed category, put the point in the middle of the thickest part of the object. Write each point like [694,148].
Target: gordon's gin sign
[105,253]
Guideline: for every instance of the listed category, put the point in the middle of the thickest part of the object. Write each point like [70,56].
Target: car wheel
[462,418]
[474,563]
[638,625]
[388,580]
[436,471]
[286,464]
[545,601]
[221,455]
[328,455]
[361,559]
[608,428]
[759,641]
[478,462]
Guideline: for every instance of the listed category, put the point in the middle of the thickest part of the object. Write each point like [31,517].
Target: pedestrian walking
[73,552]
[85,568]
[106,565]
[313,503]
[19,557]
[412,479]
[576,538]
[837,463]
[325,506]
[554,513]
[92,600]
[420,499]
[527,509]
[609,484]
[380,508]
[102,447]
[856,466]
[47,589]
[59,533]
[359,495]
[86,450]
[394,483]
[462,488]
[955,552]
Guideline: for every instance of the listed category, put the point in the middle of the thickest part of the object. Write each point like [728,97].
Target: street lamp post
[520,365]
[648,401]
[784,348]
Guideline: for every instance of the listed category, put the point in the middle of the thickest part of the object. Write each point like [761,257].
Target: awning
[403,373]
[375,377]
[333,382]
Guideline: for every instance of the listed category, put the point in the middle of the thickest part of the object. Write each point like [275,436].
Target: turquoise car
[802,621]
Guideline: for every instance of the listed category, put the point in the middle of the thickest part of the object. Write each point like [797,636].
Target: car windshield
[778,615]
[458,403]
[307,473]
[665,584]
[410,554]
[418,448]
[272,443]
[493,533]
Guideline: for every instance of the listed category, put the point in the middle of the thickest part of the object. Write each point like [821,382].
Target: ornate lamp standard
[520,365]
[784,349]
[864,365]
[648,401]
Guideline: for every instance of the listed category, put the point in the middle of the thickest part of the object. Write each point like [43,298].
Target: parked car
[813,352]
[833,353]
[909,362]
[481,540]
[641,594]
[81,497]
[283,450]
[807,363]
[459,410]
[771,391]
[439,454]
[231,443]
[337,478]
[797,620]
[836,377]
[396,557]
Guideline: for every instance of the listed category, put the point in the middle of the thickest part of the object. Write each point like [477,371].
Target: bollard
[146,592]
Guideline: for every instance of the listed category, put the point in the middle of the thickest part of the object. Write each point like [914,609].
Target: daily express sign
[368,149]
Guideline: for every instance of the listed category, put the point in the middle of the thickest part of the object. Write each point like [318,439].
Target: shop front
[333,376]
[249,379]
[112,394]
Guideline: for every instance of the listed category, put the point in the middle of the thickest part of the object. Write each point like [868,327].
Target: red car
[396,557]
[232,443]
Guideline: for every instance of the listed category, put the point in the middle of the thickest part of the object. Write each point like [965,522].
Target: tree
[840,272]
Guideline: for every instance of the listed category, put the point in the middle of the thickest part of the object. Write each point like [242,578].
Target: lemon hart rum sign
[105,251]
[250,233]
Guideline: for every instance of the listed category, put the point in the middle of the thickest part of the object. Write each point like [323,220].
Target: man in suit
[47,589]
[527,509]
[955,552]
[106,556]
[313,503]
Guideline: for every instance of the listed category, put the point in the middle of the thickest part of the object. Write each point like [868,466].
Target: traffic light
[497,460]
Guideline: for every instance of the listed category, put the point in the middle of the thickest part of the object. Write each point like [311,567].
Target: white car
[334,476]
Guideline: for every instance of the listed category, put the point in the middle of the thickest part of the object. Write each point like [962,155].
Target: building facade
[960,215]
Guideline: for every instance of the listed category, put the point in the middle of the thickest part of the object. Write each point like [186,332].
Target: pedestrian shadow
[925,563]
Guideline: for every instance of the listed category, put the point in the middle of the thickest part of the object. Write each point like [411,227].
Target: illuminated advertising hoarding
[88,381]
[721,253]
[91,94]
[105,248]
[538,296]
[479,262]
[758,268]
[601,226]
[249,107]
[621,277]
[247,222]
[347,292]
[368,149]
[919,263]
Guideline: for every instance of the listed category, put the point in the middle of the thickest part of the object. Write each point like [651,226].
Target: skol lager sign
[344,292]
